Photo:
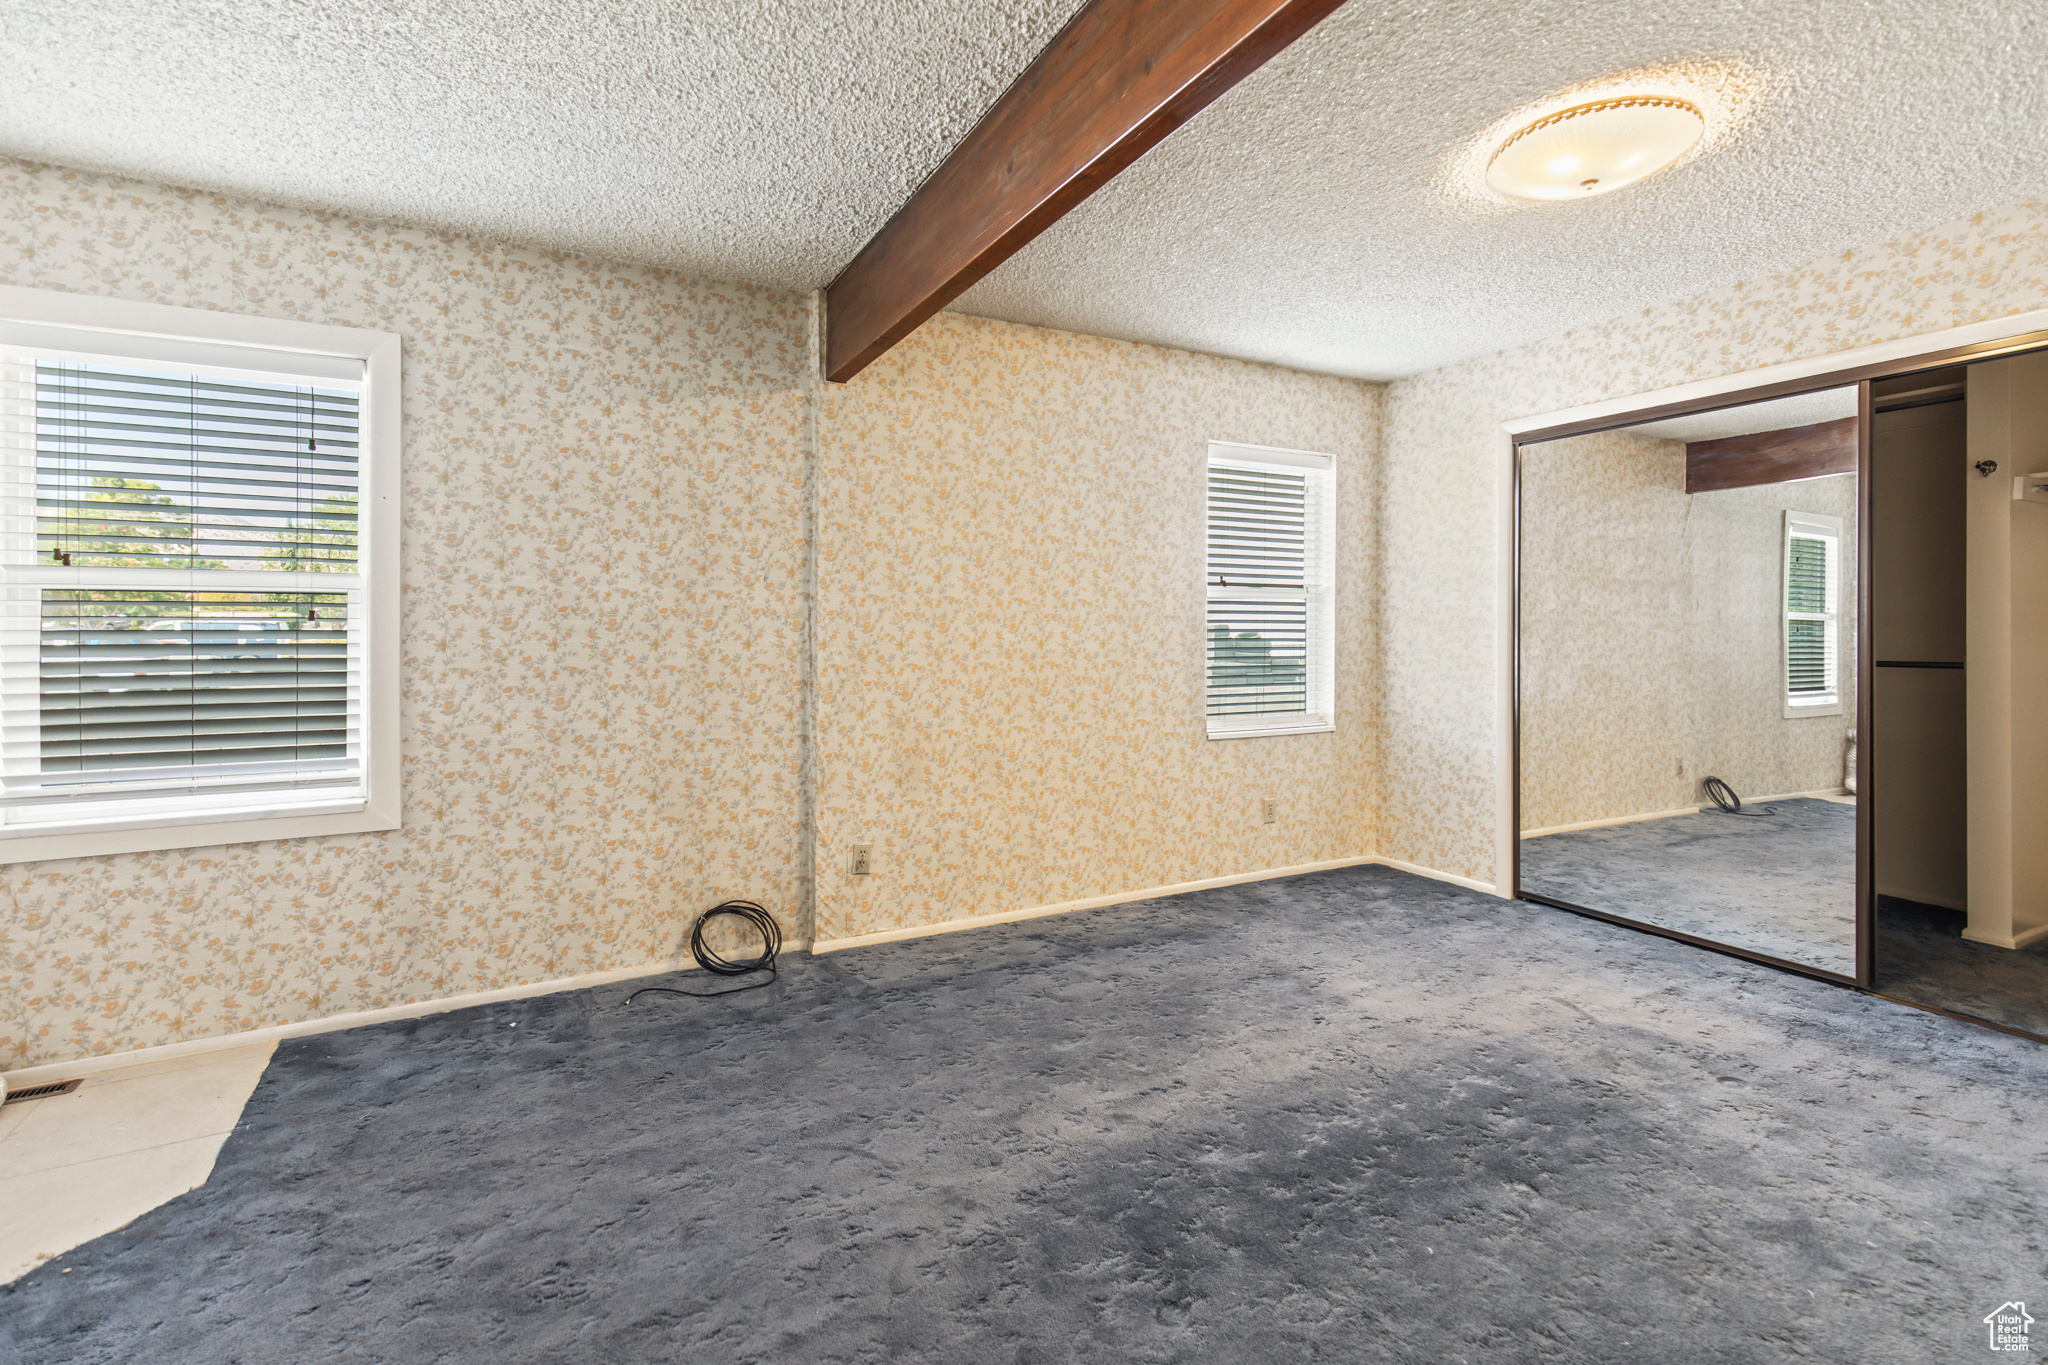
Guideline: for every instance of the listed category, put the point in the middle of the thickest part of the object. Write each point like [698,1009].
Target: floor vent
[42,1092]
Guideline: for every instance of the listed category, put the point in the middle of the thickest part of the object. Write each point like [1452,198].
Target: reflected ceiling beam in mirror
[1116,81]
[1771,457]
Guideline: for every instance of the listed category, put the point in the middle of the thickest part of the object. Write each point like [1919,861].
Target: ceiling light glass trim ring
[1595,147]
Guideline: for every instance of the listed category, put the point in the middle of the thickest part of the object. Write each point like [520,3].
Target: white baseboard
[1834,794]
[44,1072]
[1469,883]
[2025,938]
[1839,795]
[1610,820]
[833,945]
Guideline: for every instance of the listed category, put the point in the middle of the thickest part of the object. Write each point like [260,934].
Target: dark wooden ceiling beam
[1119,78]
[1771,456]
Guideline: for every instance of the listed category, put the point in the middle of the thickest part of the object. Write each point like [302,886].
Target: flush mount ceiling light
[1593,148]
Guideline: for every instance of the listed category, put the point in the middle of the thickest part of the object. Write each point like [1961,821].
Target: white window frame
[1319,590]
[54,322]
[1828,703]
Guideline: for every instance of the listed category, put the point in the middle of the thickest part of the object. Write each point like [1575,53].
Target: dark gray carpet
[1356,1116]
[1922,956]
[1783,884]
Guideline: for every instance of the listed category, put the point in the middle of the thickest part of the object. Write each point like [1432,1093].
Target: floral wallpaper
[1011,532]
[1651,646]
[682,624]
[614,710]
[1437,555]
[601,635]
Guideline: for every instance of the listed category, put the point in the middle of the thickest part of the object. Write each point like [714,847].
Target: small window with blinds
[184,612]
[1270,648]
[1813,593]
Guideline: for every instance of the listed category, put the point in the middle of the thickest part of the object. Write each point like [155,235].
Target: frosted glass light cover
[1594,148]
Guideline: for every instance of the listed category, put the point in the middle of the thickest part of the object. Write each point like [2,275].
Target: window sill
[1309,727]
[1801,711]
[29,843]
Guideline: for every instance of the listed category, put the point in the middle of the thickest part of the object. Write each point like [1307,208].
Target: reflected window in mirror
[1813,606]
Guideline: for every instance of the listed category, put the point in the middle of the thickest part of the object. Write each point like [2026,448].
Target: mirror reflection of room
[1687,676]
[1959,631]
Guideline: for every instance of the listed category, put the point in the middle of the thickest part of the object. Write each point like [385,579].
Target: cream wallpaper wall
[603,547]
[1651,619]
[612,475]
[1010,627]
[1437,557]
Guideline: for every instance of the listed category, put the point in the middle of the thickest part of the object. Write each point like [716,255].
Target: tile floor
[73,1167]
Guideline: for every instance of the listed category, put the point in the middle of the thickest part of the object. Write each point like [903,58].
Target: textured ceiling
[1802,410]
[1320,215]
[1315,215]
[757,140]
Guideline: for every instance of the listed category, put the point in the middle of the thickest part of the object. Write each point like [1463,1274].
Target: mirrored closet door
[1782,682]
[1687,676]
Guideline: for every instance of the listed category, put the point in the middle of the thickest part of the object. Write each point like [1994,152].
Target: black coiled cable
[1731,804]
[771,944]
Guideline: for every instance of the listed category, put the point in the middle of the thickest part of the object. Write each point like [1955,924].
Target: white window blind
[1270,651]
[1813,590]
[182,628]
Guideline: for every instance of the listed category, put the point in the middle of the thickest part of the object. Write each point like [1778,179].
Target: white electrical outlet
[1269,811]
[863,860]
